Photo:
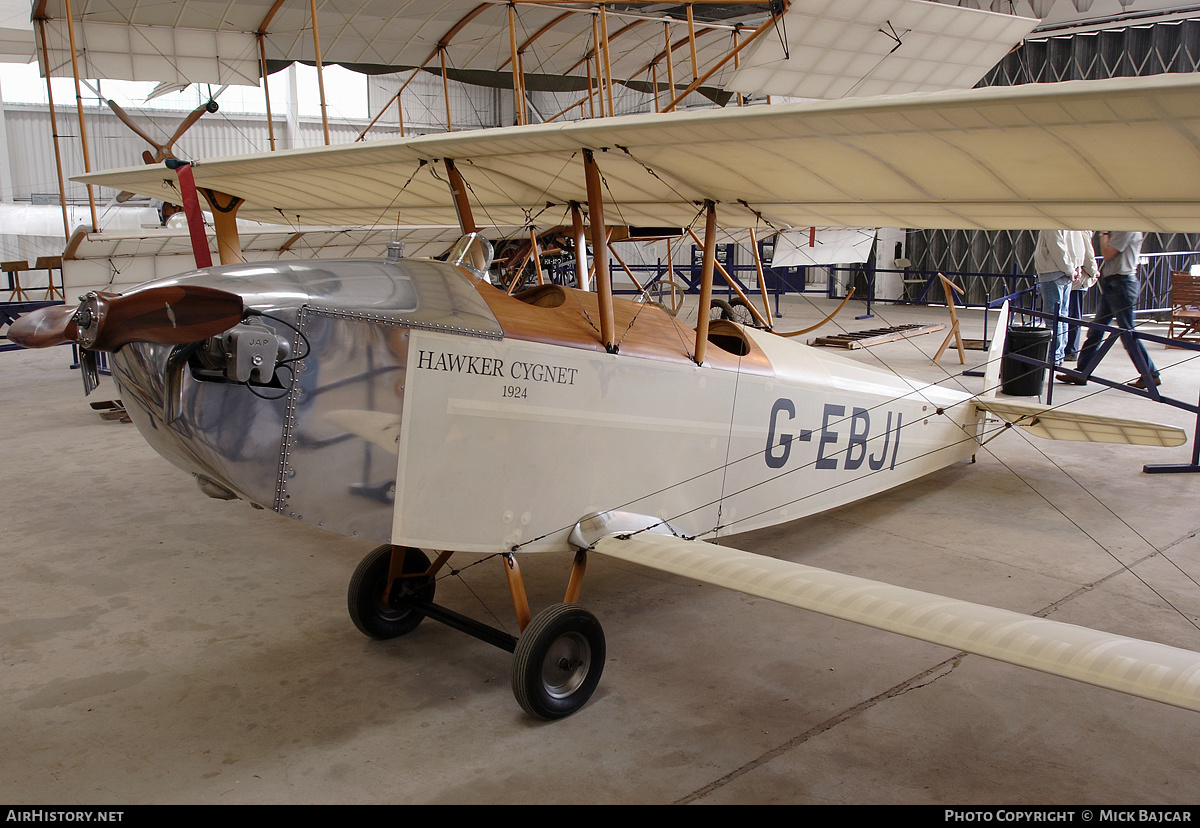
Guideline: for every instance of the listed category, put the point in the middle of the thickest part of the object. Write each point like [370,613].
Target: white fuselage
[415,413]
[506,444]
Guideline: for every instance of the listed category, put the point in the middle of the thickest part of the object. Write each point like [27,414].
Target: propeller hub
[88,320]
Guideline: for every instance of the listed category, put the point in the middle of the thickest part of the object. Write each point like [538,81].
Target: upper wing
[1140,668]
[1122,154]
[1062,424]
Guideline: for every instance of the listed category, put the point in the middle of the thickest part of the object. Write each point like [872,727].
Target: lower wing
[1128,665]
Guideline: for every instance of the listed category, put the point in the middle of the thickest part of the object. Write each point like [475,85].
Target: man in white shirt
[1081,241]
[1058,263]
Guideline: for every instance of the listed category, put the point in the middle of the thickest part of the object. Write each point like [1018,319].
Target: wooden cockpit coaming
[557,315]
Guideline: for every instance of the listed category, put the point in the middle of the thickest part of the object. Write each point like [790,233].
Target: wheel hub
[566,665]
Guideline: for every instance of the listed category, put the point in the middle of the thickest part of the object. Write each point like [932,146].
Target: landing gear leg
[557,660]
[560,655]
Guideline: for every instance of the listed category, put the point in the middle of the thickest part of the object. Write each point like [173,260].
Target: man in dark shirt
[1118,296]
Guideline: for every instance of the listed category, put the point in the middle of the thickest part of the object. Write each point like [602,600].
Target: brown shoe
[1070,380]
[1141,383]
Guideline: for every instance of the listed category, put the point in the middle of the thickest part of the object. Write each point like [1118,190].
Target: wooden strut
[691,22]
[320,70]
[518,92]
[670,63]
[229,244]
[438,51]
[62,187]
[612,110]
[458,189]
[582,276]
[445,87]
[396,568]
[87,161]
[530,254]
[706,279]
[695,84]
[758,268]
[591,98]
[628,272]
[575,583]
[516,586]
[396,98]
[741,100]
[599,68]
[262,62]
[600,252]
[536,256]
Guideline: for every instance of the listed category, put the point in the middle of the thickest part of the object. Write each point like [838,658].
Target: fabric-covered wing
[206,42]
[878,47]
[1139,668]
[1062,424]
[1119,154]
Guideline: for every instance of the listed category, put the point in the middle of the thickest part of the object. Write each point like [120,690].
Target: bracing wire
[982,439]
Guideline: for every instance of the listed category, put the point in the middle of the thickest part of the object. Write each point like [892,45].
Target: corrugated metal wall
[112,144]
[1134,51]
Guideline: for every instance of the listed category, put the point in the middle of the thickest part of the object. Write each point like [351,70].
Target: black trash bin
[1020,379]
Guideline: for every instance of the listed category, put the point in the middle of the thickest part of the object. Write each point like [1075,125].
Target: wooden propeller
[41,328]
[166,148]
[169,315]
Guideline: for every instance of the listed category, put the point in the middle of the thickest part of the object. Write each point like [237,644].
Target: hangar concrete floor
[157,646]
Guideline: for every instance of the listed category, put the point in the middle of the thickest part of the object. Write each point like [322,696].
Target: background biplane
[483,399]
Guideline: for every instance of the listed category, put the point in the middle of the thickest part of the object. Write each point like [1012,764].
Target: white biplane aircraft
[413,403]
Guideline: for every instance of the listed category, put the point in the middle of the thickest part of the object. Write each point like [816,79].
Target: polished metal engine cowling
[293,445]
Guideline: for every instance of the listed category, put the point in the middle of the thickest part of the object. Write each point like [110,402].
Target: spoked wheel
[394,616]
[735,310]
[742,313]
[668,295]
[558,661]
[720,309]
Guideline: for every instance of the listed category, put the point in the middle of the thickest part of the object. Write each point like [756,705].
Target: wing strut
[582,280]
[458,189]
[608,326]
[1128,665]
[706,279]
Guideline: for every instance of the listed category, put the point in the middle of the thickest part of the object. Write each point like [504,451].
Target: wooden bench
[1185,305]
[51,264]
[15,292]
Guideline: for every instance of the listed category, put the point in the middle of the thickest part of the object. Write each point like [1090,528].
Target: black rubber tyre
[742,313]
[558,661]
[720,309]
[391,619]
[735,310]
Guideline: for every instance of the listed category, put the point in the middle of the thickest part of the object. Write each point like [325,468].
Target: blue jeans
[1118,295]
[1075,311]
[1054,300]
